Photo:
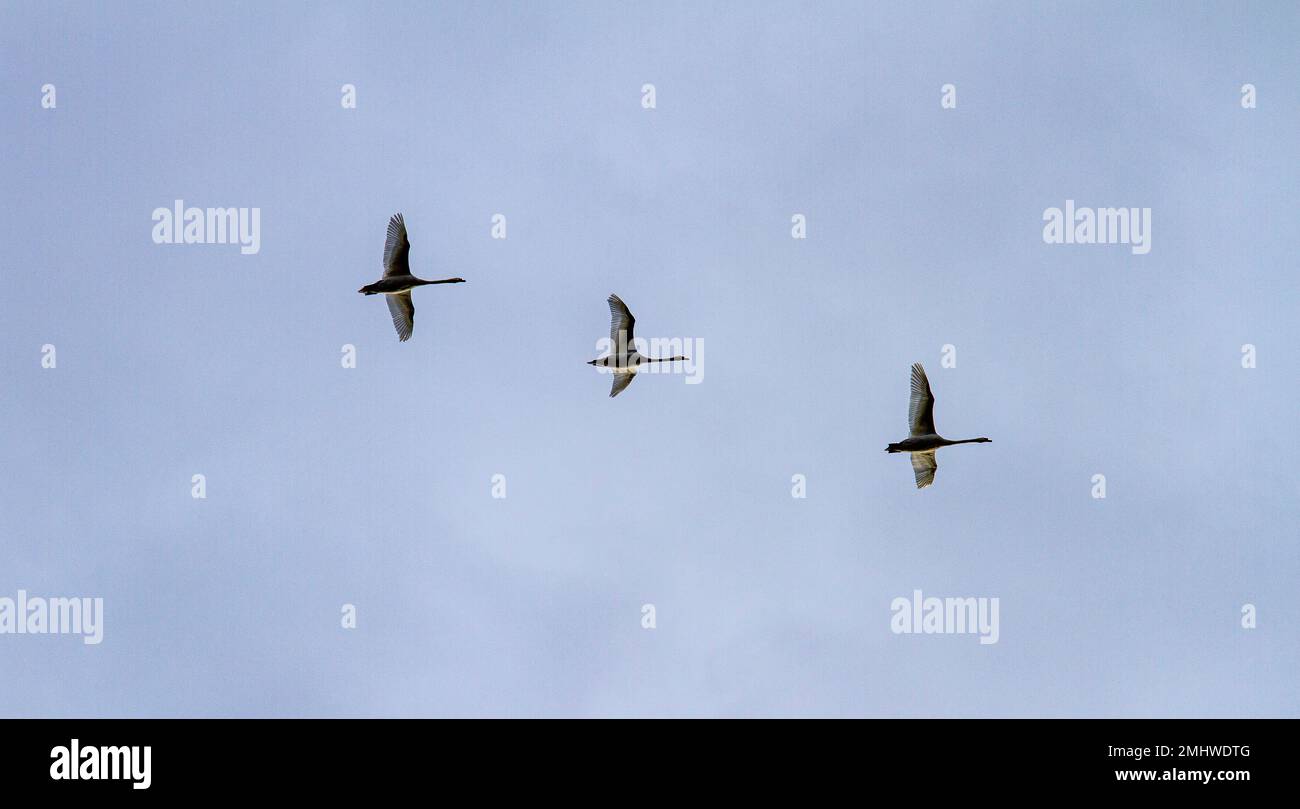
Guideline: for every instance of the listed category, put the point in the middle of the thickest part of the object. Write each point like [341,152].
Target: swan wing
[920,411]
[403,312]
[924,466]
[397,249]
[620,320]
[621,381]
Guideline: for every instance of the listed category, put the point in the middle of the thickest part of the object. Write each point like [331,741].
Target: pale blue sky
[372,486]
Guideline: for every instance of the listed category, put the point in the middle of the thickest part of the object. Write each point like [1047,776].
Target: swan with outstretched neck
[923,440]
[624,360]
[397,283]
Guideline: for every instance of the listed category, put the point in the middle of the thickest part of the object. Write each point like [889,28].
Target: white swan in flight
[397,283]
[924,441]
[623,359]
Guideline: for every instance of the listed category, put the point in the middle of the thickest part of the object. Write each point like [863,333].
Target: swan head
[983,440]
